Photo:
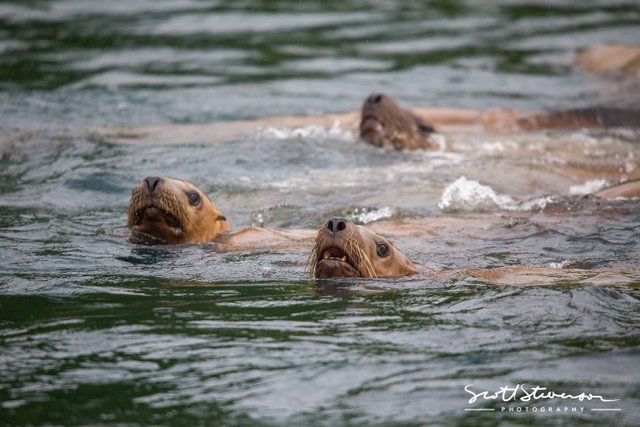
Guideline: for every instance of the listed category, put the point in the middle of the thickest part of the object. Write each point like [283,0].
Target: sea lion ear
[221,222]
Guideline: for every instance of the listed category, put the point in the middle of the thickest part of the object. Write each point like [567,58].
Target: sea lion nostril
[337,224]
[375,98]
[152,183]
[330,225]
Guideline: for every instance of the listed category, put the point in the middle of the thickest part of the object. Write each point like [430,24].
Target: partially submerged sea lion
[344,249]
[384,123]
[166,210]
[174,211]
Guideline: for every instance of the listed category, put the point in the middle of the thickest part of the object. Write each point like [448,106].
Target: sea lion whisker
[356,254]
[312,261]
[366,261]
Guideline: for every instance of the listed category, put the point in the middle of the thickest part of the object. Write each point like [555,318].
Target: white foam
[493,147]
[311,131]
[560,265]
[588,187]
[536,204]
[367,216]
[466,194]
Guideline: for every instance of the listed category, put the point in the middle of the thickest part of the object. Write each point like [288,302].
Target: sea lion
[166,210]
[174,211]
[384,123]
[344,249]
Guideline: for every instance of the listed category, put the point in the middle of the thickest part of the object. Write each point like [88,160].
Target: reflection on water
[96,329]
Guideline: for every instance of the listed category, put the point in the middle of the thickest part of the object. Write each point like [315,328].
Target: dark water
[95,330]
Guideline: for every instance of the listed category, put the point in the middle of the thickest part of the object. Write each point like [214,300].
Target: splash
[560,264]
[469,195]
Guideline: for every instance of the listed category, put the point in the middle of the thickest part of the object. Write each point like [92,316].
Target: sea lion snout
[337,225]
[374,98]
[151,183]
[384,123]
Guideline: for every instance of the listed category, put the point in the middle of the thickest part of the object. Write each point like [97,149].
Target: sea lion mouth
[335,262]
[152,225]
[371,123]
[153,213]
[335,252]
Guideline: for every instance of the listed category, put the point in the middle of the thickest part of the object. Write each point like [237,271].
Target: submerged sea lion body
[627,190]
[173,211]
[609,57]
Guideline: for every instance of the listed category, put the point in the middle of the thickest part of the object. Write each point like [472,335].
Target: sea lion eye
[383,249]
[194,198]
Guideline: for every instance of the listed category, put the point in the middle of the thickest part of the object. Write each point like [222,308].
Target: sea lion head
[174,211]
[385,123]
[343,249]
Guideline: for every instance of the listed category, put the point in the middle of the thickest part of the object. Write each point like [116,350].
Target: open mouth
[334,262]
[372,123]
[154,214]
[371,130]
[335,253]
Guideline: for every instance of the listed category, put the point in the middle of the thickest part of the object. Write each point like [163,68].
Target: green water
[95,330]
